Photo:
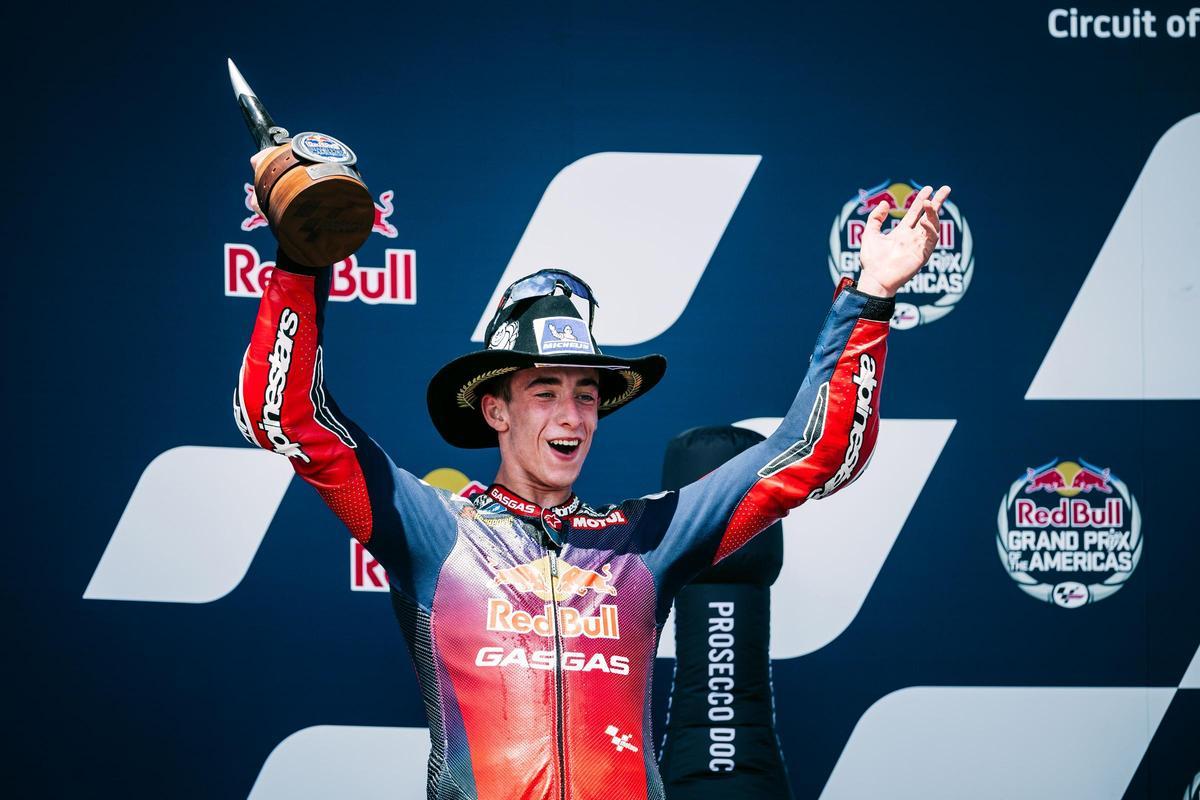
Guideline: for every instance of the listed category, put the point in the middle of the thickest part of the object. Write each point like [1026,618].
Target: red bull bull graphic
[256,219]
[932,293]
[571,581]
[1047,480]
[1068,478]
[395,283]
[1069,532]
[383,210]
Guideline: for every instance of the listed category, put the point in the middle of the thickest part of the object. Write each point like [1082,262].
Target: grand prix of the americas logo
[246,273]
[932,292]
[1069,533]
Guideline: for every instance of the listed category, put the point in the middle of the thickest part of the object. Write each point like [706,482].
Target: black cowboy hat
[540,330]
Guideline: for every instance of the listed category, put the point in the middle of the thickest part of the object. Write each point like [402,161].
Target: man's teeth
[564,445]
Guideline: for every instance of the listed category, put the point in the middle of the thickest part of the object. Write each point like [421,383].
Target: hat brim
[453,398]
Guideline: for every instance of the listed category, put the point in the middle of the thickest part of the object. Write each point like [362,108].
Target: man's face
[545,431]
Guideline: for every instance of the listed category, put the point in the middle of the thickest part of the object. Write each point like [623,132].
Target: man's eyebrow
[554,380]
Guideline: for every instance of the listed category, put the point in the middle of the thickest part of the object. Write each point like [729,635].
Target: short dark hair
[499,386]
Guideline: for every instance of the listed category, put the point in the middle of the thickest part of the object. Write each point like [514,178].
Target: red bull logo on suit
[535,577]
[501,616]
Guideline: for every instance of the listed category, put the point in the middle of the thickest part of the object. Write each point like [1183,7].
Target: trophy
[307,187]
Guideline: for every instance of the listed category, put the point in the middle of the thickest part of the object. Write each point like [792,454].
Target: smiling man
[533,617]
[547,423]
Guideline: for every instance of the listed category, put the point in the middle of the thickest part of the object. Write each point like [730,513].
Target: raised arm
[826,439]
[281,404]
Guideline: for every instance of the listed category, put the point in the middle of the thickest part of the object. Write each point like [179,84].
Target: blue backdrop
[123,345]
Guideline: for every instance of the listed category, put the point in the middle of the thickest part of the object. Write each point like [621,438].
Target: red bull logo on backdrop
[366,573]
[246,273]
[932,293]
[1070,532]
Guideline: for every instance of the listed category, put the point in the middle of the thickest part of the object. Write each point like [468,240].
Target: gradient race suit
[535,663]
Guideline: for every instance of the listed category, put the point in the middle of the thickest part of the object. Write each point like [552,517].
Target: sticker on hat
[505,336]
[562,335]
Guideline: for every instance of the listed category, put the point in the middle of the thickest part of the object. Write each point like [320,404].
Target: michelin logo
[563,335]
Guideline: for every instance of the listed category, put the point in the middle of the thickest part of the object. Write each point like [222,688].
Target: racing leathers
[535,661]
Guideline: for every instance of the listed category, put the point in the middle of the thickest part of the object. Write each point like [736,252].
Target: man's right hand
[890,259]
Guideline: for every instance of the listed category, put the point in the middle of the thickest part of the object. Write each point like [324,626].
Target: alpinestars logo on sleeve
[866,382]
[280,361]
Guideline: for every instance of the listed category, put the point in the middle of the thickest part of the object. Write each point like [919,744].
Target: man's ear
[495,412]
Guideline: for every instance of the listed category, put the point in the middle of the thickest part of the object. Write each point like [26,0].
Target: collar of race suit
[550,519]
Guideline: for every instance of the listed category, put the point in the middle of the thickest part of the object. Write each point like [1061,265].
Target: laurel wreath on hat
[466,395]
[633,384]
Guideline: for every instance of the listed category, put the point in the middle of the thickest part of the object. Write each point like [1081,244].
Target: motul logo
[246,275]
[617,517]
[501,617]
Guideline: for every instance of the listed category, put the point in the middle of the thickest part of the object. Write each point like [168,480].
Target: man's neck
[527,489]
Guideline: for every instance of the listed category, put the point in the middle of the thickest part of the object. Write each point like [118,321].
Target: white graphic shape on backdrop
[834,547]
[1131,332]
[1191,678]
[362,762]
[192,525]
[998,743]
[640,228]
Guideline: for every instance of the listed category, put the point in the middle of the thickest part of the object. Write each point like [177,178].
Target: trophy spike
[262,128]
[239,83]
[308,188]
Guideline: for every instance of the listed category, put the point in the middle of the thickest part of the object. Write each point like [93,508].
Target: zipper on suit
[558,677]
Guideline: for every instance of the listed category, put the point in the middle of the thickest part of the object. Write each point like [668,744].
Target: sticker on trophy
[319,147]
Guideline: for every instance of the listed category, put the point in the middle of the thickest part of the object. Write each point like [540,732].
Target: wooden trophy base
[320,213]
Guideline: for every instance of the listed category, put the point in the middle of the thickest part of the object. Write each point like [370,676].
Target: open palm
[890,259]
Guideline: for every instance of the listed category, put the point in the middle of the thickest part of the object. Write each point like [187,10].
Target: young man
[533,617]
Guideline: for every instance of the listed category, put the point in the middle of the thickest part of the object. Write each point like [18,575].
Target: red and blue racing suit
[535,663]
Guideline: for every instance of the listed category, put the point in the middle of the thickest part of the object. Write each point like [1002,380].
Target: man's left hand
[890,259]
